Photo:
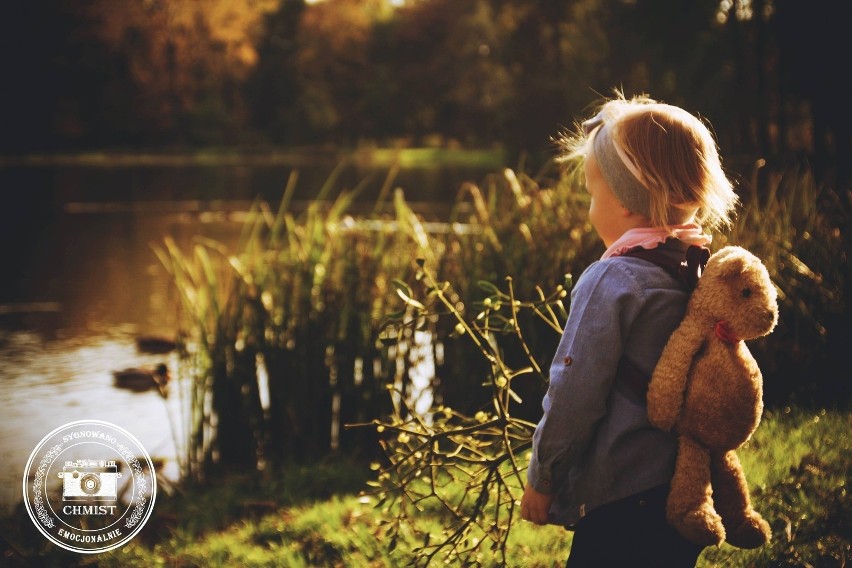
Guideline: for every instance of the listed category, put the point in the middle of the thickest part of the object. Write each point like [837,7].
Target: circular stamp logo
[89,486]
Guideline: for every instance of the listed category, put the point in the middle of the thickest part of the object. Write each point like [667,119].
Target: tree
[333,68]
[272,90]
[57,77]
[810,35]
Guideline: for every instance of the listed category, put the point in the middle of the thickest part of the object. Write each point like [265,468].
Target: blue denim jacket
[594,443]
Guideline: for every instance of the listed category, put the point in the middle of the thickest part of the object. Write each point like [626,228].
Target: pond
[83,282]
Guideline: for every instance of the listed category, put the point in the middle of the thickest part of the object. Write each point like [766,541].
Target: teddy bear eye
[746,292]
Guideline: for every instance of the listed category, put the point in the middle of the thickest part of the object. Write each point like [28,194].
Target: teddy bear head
[735,291]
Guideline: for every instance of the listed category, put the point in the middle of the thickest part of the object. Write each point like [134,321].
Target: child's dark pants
[631,532]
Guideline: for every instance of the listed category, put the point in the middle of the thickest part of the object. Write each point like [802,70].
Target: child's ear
[637,219]
[625,212]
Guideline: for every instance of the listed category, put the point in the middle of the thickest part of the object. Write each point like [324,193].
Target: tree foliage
[509,72]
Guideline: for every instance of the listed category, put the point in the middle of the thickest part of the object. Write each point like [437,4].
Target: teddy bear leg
[744,527]
[689,507]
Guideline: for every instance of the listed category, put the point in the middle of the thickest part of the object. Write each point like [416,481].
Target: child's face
[606,213]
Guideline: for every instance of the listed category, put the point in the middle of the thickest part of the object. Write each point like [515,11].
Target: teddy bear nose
[770,317]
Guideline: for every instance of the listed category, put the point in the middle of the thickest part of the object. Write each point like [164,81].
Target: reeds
[537,235]
[295,303]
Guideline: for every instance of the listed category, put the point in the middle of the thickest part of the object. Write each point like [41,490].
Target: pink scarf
[651,237]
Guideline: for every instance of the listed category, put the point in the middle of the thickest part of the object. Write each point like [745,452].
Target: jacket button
[568,360]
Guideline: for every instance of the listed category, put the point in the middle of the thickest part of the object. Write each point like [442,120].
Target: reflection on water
[82,282]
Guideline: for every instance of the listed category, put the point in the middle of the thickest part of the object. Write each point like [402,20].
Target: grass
[313,515]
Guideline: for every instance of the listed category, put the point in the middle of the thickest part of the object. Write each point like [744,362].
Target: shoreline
[414,157]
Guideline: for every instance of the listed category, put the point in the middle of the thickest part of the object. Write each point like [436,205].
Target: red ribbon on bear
[724,332]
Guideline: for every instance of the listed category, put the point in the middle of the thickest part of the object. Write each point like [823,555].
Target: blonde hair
[673,155]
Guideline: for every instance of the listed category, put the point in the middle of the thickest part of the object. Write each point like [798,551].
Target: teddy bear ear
[730,261]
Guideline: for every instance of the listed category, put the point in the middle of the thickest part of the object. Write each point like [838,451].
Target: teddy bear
[707,389]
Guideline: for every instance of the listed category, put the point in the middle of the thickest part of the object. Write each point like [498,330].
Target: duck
[139,379]
[155,344]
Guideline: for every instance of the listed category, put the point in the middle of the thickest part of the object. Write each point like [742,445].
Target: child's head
[660,161]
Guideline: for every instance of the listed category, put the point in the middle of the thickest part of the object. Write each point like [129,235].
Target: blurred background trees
[252,73]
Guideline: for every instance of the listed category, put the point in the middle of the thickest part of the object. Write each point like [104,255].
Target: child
[598,466]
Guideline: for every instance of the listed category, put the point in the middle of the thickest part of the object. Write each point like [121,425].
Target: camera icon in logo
[90,480]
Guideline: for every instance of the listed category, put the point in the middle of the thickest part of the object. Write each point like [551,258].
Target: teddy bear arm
[668,382]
